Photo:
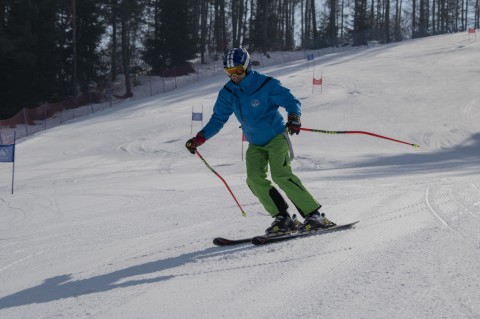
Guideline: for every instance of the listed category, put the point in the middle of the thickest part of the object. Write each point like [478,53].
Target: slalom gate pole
[357,132]
[224,182]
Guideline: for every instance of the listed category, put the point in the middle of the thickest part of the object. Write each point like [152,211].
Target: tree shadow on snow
[62,287]
[465,156]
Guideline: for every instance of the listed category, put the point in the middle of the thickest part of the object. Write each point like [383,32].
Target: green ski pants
[276,155]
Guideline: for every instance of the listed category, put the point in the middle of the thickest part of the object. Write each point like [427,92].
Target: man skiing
[254,98]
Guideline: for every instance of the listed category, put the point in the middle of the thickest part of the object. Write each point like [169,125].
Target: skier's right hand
[194,142]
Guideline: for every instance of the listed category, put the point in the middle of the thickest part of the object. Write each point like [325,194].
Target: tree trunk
[113,64]
[414,26]
[203,29]
[387,21]
[332,24]
[125,49]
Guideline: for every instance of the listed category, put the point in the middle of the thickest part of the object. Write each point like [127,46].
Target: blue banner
[197,116]
[7,153]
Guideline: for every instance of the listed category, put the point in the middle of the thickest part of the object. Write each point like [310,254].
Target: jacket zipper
[240,108]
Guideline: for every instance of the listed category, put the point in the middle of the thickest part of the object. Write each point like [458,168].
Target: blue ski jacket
[254,101]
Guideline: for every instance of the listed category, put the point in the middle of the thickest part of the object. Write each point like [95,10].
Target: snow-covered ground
[113,218]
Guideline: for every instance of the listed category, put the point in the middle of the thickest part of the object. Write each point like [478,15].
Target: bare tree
[113,21]
[203,28]
[359,23]
[477,15]
[333,28]
[238,9]
[387,21]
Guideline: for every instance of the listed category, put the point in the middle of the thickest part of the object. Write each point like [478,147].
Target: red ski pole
[357,132]
[224,182]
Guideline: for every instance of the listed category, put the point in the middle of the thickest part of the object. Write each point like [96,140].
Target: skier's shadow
[62,287]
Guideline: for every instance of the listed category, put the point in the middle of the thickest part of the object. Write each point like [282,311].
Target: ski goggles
[236,70]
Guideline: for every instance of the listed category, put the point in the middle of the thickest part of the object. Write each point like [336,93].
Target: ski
[263,240]
[220,241]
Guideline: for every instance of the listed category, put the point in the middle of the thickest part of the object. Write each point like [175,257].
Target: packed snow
[112,217]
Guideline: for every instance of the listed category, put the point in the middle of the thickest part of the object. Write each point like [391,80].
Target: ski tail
[220,241]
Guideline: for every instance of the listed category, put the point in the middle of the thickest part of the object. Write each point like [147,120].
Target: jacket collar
[244,84]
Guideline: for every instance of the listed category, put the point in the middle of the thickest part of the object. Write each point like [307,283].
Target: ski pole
[357,132]
[224,182]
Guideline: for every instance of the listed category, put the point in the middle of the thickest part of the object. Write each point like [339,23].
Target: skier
[254,98]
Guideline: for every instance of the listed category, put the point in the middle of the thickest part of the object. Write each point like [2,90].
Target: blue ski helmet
[235,57]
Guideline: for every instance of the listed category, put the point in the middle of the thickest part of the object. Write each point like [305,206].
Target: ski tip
[346,226]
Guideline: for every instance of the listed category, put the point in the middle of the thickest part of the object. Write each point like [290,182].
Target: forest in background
[51,50]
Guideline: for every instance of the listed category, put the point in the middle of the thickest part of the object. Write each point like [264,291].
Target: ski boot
[315,221]
[296,222]
[282,224]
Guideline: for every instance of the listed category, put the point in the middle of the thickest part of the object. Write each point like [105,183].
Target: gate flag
[7,153]
[317,82]
[196,116]
[472,30]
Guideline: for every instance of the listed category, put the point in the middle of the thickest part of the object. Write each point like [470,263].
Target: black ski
[219,241]
[263,240]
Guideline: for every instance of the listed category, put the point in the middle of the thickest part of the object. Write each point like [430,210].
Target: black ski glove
[194,142]
[293,124]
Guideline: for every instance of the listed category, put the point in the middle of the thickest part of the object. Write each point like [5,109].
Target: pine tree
[27,55]
[171,42]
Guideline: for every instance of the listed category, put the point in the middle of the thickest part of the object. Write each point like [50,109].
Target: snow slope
[113,218]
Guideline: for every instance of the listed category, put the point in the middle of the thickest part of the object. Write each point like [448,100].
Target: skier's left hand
[293,124]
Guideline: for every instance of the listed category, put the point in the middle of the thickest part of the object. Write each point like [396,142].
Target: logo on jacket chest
[255,103]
